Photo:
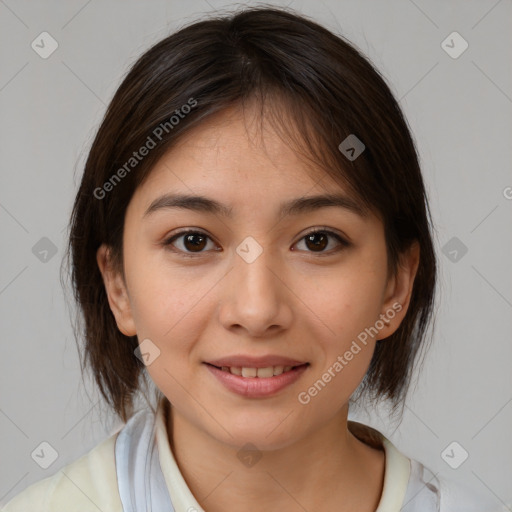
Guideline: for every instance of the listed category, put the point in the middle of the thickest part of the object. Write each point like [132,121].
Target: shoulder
[413,487]
[457,496]
[429,492]
[87,484]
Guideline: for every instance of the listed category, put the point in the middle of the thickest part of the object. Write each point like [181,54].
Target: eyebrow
[297,206]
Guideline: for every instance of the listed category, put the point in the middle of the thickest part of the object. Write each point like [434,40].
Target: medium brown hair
[319,89]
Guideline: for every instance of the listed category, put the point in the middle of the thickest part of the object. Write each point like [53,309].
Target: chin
[263,432]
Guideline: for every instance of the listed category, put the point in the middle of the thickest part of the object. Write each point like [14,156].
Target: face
[235,277]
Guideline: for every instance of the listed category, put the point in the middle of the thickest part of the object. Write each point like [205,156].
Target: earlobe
[117,294]
[399,290]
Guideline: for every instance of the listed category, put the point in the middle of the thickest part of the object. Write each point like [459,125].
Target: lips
[262,367]
[249,383]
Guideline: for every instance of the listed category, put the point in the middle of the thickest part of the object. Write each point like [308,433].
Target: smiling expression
[227,254]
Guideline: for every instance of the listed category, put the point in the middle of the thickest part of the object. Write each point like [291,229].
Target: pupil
[195,245]
[314,239]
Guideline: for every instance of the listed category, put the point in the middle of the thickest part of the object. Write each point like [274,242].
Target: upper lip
[241,361]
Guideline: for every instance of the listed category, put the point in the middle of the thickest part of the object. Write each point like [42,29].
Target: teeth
[267,372]
[278,370]
[249,372]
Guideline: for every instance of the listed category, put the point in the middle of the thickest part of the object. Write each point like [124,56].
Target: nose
[255,298]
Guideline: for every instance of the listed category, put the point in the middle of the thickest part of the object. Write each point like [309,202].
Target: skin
[297,302]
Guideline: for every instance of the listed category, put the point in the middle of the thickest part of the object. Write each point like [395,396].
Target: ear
[397,294]
[116,292]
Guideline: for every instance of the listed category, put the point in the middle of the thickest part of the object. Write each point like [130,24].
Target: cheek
[342,307]
[161,296]
[344,345]
[344,302]
[168,311]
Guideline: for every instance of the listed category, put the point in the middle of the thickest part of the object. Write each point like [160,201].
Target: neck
[329,468]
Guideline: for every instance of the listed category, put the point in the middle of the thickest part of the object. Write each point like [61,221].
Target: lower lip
[257,387]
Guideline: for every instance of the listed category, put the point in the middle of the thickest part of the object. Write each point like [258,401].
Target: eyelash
[168,242]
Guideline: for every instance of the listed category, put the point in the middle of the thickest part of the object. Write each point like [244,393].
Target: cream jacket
[100,480]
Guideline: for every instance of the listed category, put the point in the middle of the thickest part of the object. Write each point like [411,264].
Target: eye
[318,240]
[189,241]
[192,242]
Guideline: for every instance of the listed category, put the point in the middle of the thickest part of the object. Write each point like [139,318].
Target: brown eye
[318,240]
[194,242]
[188,242]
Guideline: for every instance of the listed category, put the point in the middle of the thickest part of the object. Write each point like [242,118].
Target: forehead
[235,167]
[235,152]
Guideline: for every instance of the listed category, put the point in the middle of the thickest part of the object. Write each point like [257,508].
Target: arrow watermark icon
[351,147]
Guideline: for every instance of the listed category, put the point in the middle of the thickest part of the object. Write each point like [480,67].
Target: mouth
[257,381]
[261,373]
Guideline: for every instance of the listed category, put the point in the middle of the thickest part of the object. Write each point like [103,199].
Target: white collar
[148,474]
[396,476]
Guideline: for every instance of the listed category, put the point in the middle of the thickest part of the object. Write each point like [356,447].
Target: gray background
[460,112]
